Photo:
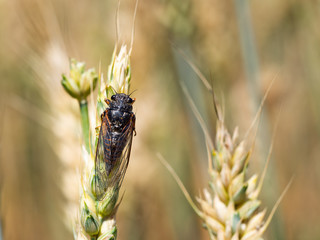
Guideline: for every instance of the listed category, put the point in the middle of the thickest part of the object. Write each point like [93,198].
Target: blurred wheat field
[40,127]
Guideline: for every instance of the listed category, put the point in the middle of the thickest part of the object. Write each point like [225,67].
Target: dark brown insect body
[114,143]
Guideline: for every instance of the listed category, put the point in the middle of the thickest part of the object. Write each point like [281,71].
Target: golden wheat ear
[230,207]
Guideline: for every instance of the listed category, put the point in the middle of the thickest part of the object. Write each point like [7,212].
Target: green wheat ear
[97,217]
[79,84]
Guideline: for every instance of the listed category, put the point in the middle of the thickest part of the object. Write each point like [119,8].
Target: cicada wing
[100,181]
[109,173]
[125,142]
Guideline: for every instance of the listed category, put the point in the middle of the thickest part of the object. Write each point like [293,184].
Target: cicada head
[120,101]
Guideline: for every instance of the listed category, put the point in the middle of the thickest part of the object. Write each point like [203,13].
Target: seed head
[119,72]
[232,210]
[80,83]
[97,214]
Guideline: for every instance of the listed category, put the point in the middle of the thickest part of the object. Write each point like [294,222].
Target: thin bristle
[182,187]
[133,25]
[197,115]
[117,23]
[276,205]
[260,107]
[269,154]
[194,68]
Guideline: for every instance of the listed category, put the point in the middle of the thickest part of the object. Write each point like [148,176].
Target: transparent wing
[109,173]
[100,180]
[120,166]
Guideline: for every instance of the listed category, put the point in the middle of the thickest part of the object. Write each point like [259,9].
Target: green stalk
[251,63]
[85,122]
[249,51]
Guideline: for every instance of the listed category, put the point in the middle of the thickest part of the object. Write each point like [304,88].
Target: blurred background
[240,46]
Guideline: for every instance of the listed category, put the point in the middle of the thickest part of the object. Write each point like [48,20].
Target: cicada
[114,143]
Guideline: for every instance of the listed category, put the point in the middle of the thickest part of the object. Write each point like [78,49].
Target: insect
[114,143]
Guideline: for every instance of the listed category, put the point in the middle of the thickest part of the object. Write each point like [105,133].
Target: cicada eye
[113,97]
[130,100]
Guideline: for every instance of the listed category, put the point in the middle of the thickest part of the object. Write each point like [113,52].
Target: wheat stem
[85,125]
